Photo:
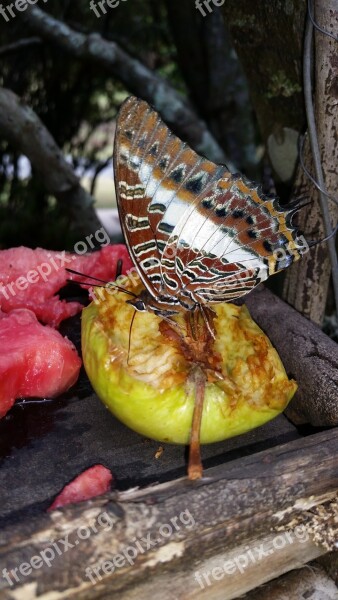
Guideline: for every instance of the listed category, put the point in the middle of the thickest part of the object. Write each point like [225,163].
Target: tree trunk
[268,41]
[215,80]
[306,284]
[273,69]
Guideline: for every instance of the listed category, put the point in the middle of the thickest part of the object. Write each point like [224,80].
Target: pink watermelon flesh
[31,278]
[95,481]
[35,360]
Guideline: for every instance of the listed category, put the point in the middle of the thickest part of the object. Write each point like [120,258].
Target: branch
[137,78]
[20,45]
[22,128]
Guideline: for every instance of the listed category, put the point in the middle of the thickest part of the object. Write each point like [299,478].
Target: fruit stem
[195,467]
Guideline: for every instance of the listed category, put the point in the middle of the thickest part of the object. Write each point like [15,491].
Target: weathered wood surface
[234,509]
[308,355]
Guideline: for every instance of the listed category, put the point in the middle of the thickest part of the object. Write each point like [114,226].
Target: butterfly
[197,233]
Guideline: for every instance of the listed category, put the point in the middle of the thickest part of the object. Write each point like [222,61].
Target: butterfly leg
[193,323]
[174,325]
[208,316]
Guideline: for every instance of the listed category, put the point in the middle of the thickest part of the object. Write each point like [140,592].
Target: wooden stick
[195,467]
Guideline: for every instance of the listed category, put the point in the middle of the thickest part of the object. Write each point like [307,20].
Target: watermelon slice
[35,360]
[31,278]
[95,481]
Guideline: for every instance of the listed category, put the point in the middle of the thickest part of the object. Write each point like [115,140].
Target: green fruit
[150,392]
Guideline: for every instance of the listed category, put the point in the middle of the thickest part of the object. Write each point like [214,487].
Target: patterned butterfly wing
[196,232]
[233,239]
[156,177]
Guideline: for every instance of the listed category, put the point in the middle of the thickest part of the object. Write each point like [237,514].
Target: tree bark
[308,355]
[214,79]
[307,282]
[19,45]
[133,74]
[22,128]
[275,82]
[268,41]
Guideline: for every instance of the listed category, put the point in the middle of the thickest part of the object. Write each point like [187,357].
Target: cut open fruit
[147,375]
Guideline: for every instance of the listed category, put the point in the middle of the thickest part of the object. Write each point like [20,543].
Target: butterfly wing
[234,238]
[196,232]
[156,178]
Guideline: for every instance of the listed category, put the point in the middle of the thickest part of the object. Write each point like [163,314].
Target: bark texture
[269,44]
[137,78]
[308,355]
[268,41]
[22,128]
[307,282]
[215,79]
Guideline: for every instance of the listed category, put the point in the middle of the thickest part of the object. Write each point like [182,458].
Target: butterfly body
[197,234]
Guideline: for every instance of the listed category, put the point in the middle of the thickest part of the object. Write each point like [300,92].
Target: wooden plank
[175,529]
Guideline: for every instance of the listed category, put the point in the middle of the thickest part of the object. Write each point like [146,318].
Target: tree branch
[22,128]
[20,45]
[133,74]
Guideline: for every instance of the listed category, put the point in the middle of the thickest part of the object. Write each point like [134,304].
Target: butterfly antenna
[328,237]
[129,341]
[84,275]
[295,205]
[106,283]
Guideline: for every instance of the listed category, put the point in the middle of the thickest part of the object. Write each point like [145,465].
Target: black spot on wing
[195,184]
[267,245]
[155,278]
[164,162]
[221,212]
[177,174]
[157,207]
[165,227]
[142,143]
[208,202]
[161,245]
[154,149]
